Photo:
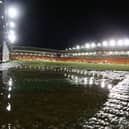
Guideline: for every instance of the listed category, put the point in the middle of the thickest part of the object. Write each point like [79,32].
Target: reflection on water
[115,112]
[87,78]
[8,107]
[63,98]
[8,84]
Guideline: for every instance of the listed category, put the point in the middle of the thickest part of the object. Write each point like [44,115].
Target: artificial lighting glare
[12,38]
[87,45]
[10,82]
[12,12]
[85,81]
[112,42]
[126,42]
[99,44]
[10,88]
[8,108]
[103,84]
[12,24]
[77,47]
[91,81]
[110,52]
[2,17]
[9,126]
[12,32]
[93,45]
[1,2]
[109,86]
[105,44]
[9,96]
[120,42]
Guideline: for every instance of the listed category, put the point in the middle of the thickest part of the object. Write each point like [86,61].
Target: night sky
[60,24]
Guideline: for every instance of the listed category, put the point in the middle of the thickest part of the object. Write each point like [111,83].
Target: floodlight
[120,42]
[77,47]
[105,44]
[126,42]
[112,43]
[12,38]
[1,2]
[12,24]
[93,45]
[12,12]
[99,44]
[12,32]
[87,45]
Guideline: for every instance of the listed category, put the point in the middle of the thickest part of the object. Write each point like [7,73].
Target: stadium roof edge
[35,48]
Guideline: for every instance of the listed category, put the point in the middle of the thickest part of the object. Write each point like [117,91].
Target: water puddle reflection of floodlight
[8,108]
[9,96]
[10,82]
[109,86]
[10,88]
[103,84]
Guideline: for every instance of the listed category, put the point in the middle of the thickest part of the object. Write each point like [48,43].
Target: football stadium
[110,52]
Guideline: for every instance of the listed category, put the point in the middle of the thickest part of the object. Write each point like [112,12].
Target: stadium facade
[95,54]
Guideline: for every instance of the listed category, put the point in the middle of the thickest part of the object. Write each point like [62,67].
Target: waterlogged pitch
[62,98]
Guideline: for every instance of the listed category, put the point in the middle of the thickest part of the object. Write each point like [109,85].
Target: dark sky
[60,24]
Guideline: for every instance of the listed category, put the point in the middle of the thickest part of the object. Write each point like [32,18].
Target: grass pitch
[89,66]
